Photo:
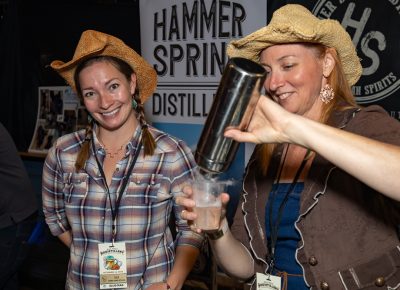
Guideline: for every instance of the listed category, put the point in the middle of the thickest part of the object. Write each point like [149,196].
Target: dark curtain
[17,80]
[34,33]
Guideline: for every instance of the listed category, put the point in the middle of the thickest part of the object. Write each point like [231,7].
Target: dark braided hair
[85,149]
[148,139]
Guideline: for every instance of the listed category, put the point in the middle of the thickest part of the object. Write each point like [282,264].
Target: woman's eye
[287,66]
[114,86]
[88,94]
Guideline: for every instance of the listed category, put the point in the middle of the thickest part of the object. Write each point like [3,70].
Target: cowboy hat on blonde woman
[310,218]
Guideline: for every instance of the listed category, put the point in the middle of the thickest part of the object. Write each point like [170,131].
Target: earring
[134,104]
[327,94]
[89,118]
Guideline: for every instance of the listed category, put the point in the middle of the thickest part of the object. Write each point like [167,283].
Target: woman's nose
[273,81]
[106,100]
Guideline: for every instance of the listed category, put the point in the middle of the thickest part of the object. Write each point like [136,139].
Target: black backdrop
[33,33]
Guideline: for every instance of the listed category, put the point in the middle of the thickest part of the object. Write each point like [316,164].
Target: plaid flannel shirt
[78,202]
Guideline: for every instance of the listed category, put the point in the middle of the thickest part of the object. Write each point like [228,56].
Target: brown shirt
[348,230]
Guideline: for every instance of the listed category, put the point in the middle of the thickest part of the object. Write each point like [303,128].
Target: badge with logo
[268,282]
[112,266]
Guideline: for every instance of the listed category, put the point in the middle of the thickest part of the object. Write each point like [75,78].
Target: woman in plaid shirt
[109,190]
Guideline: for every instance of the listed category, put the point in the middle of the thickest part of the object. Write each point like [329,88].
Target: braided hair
[148,140]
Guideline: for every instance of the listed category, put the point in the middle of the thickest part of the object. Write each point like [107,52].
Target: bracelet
[215,235]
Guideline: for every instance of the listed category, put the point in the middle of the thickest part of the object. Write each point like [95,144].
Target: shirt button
[324,285]
[313,261]
[117,169]
[380,281]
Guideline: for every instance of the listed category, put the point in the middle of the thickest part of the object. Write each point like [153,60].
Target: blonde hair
[149,143]
[343,100]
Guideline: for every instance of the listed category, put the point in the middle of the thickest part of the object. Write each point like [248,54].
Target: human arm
[18,199]
[373,162]
[231,255]
[187,243]
[66,238]
[53,199]
[185,258]
[186,252]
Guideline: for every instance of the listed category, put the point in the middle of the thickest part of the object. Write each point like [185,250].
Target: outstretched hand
[267,124]
[188,204]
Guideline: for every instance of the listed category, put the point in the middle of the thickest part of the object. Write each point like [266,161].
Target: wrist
[215,235]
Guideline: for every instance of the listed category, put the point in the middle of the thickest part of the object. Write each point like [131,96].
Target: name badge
[112,266]
[268,282]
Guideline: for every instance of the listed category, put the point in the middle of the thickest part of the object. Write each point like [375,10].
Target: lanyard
[114,212]
[275,227]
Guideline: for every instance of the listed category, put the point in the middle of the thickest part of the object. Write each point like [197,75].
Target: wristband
[215,235]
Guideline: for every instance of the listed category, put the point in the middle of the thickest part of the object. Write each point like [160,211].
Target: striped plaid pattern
[78,201]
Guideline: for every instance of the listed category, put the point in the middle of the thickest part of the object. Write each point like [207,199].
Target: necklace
[113,154]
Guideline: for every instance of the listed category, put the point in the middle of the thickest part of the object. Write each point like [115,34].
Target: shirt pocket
[75,186]
[145,188]
[382,272]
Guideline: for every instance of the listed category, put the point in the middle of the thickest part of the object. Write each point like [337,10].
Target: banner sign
[186,42]
[374,29]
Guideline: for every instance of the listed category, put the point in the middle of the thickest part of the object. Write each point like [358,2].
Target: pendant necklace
[113,154]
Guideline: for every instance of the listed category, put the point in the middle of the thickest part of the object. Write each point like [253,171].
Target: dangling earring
[89,118]
[327,94]
[134,104]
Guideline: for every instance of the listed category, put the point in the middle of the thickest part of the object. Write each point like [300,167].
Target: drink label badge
[112,266]
[268,282]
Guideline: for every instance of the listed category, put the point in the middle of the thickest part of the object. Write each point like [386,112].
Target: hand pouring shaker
[233,105]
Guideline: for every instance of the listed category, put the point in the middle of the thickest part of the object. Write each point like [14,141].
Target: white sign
[186,41]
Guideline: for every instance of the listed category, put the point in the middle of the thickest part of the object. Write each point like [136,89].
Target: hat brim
[94,43]
[293,23]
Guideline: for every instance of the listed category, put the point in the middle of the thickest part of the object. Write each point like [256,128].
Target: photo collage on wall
[59,112]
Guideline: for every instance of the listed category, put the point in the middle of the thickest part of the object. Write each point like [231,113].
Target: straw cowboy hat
[293,23]
[94,43]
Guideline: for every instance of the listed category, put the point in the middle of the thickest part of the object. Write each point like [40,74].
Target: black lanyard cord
[274,228]
[114,212]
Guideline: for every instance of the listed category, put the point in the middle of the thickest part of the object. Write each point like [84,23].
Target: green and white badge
[112,266]
[268,282]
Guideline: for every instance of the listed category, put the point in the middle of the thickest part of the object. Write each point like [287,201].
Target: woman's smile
[111,113]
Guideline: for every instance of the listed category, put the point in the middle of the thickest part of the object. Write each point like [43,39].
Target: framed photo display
[59,112]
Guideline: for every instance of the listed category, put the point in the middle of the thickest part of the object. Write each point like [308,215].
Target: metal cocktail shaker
[233,105]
